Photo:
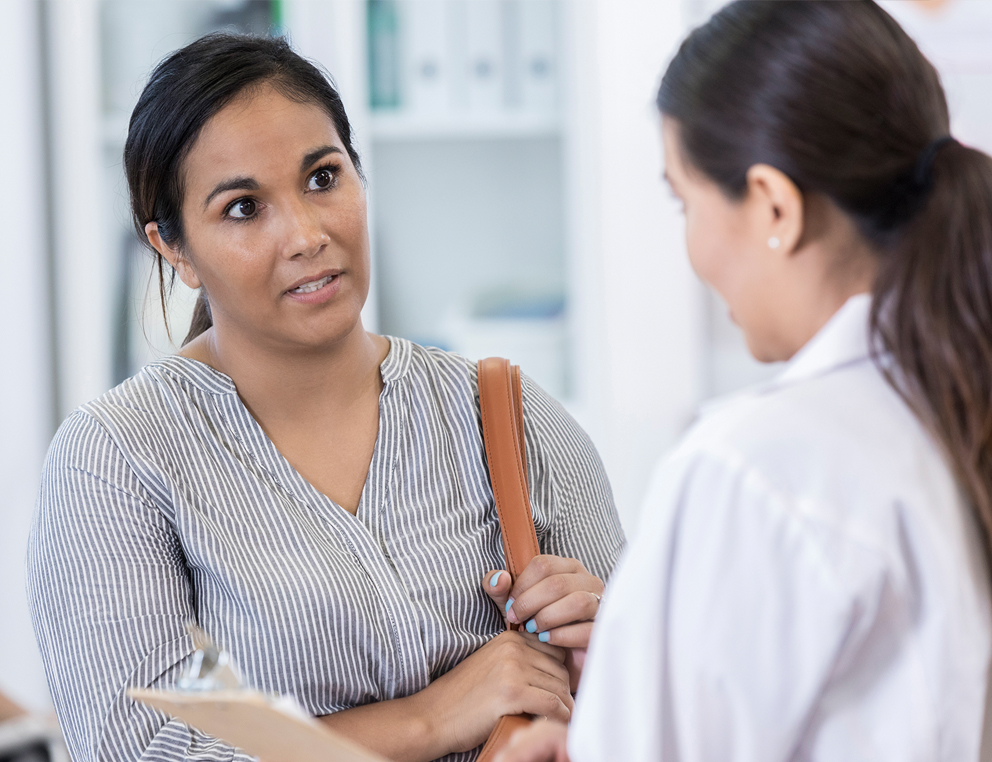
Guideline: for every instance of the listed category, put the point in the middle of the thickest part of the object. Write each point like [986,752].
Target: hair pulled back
[838,97]
[184,91]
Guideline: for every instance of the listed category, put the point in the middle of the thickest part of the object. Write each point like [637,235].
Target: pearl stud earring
[773,242]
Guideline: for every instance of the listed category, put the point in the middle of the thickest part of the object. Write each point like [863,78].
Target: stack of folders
[433,58]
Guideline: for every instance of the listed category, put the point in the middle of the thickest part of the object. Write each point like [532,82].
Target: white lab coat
[806,583]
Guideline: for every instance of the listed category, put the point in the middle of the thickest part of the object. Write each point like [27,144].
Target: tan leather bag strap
[501,403]
[500,400]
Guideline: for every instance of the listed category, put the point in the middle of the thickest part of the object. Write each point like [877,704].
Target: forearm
[402,730]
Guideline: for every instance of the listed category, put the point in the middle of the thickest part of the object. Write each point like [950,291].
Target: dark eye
[246,207]
[321,179]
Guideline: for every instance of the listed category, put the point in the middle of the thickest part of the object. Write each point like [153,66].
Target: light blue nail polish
[495,579]
[531,626]
[544,637]
[509,605]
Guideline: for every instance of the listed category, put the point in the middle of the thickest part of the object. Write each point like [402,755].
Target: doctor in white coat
[810,580]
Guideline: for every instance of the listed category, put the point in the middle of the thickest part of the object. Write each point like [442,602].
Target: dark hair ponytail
[932,313]
[840,99]
[183,93]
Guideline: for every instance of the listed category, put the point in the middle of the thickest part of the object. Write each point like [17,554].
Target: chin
[763,351]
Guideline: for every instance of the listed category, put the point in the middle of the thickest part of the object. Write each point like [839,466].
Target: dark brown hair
[840,99]
[182,94]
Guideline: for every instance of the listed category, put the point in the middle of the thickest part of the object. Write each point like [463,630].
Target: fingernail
[531,626]
[544,637]
[509,605]
[495,579]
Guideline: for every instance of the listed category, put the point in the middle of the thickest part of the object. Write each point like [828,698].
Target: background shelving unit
[466,177]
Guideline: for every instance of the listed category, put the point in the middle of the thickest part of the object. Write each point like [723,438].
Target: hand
[554,597]
[513,673]
[543,741]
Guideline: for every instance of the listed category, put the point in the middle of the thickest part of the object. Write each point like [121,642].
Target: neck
[832,263]
[295,384]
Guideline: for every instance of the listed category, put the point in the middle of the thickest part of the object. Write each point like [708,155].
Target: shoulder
[430,371]
[557,446]
[558,435]
[449,376]
[848,424]
[838,461]
[135,432]
[160,399]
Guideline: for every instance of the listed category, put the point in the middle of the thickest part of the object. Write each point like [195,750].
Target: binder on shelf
[426,61]
[538,62]
[260,725]
[484,56]
[384,54]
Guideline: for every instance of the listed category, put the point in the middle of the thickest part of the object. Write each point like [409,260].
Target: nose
[305,236]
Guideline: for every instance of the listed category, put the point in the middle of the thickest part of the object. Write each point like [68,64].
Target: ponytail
[202,319]
[932,315]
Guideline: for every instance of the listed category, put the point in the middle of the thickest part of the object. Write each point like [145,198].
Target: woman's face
[275,218]
[728,245]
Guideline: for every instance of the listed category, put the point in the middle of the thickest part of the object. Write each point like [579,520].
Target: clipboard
[258,724]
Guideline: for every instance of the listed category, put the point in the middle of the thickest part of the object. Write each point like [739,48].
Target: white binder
[484,55]
[426,57]
[538,64]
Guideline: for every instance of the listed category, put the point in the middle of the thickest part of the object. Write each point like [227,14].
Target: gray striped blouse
[163,502]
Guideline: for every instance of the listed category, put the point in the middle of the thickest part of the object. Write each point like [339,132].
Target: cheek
[710,249]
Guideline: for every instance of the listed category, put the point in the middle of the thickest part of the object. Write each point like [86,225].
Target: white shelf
[404,126]
[399,127]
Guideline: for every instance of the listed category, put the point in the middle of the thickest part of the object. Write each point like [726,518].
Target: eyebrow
[251,184]
[317,154]
[235,183]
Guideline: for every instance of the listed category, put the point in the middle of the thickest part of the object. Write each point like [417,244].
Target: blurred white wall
[650,332]
[25,385]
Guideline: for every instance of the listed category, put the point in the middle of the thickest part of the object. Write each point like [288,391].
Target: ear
[173,256]
[777,206]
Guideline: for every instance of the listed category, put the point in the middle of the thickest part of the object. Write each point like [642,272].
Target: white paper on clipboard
[256,723]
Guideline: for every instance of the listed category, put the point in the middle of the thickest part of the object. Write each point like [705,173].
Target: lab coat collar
[842,341]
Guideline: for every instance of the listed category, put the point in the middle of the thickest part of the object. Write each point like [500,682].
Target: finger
[544,566]
[497,585]
[556,684]
[578,606]
[522,653]
[543,703]
[523,606]
[541,741]
[550,667]
[570,636]
[534,641]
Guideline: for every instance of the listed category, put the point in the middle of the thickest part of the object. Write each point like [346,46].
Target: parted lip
[312,278]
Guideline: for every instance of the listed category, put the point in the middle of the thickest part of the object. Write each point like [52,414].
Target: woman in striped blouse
[313,495]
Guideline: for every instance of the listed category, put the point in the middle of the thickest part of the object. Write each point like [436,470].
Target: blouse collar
[209,379]
[842,341]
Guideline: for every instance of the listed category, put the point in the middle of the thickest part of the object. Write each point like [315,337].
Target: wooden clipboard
[253,722]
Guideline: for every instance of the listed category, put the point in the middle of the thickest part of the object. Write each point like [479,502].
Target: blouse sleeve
[110,595]
[573,503]
[726,622]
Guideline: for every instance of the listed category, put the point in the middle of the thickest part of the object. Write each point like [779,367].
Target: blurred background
[513,159]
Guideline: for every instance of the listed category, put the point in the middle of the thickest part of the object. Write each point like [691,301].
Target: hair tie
[909,192]
[923,174]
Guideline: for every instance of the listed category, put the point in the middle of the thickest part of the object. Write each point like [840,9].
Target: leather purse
[501,403]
